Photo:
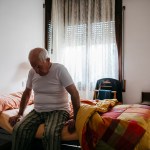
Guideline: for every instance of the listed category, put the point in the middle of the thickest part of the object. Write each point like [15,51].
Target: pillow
[12,101]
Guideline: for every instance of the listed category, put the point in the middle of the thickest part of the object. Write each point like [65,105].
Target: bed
[9,104]
[100,124]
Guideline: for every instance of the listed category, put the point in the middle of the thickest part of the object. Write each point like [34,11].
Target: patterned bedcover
[106,125]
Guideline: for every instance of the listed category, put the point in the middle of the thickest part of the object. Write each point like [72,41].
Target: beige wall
[137,49]
[21,28]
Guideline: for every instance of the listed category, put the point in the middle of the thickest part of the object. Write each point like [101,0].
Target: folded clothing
[104,94]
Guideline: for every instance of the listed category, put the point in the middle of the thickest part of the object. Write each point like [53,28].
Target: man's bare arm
[23,104]
[75,98]
[76,105]
[24,100]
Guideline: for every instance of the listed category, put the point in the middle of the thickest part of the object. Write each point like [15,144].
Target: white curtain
[83,33]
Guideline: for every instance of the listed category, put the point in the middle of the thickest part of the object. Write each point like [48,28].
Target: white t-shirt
[49,90]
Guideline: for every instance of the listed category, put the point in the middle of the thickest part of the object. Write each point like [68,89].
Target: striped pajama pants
[25,130]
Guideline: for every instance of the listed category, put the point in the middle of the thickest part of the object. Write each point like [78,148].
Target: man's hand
[71,125]
[14,119]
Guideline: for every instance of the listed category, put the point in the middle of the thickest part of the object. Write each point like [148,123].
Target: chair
[108,88]
[145,98]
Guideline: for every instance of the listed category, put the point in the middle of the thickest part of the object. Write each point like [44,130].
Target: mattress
[4,117]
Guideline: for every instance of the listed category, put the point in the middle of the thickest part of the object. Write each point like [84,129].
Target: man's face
[41,68]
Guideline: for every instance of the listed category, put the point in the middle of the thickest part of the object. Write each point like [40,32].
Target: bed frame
[6,138]
[69,145]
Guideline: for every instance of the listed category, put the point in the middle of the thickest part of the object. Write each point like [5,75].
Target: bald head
[39,60]
[38,54]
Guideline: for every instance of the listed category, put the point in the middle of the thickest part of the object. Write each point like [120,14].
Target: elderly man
[51,84]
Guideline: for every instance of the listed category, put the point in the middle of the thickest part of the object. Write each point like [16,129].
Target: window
[87,49]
